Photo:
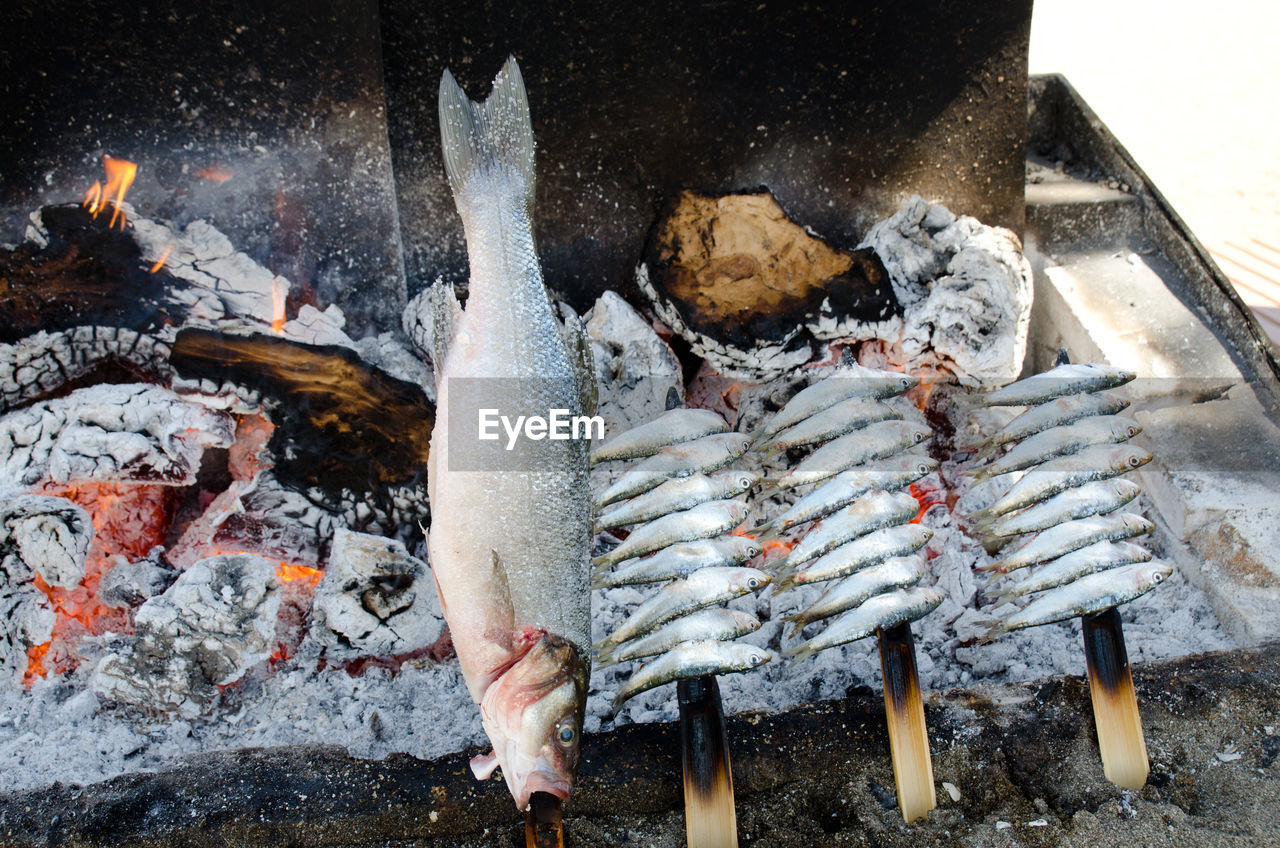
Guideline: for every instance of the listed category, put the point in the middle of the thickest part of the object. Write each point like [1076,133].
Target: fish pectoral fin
[443,314]
[582,362]
[484,765]
[507,611]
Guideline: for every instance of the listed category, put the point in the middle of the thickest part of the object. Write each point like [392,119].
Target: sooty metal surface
[841,110]
[266,119]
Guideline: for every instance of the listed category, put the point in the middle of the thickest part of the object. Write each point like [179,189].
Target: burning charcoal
[212,625]
[965,289]
[41,536]
[375,600]
[748,288]
[129,584]
[110,433]
[635,369]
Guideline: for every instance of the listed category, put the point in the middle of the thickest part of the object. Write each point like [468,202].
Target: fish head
[1153,573]
[533,715]
[1137,524]
[736,482]
[1129,457]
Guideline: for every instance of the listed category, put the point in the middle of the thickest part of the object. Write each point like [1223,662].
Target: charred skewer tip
[543,826]
[1115,704]
[908,735]
[710,818]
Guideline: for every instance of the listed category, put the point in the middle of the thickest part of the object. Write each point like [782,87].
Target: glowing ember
[120,174]
[279,290]
[215,173]
[928,495]
[163,257]
[288,572]
[35,662]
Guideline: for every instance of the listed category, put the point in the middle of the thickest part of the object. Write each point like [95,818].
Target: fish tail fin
[800,652]
[495,136]
[771,488]
[766,531]
[995,627]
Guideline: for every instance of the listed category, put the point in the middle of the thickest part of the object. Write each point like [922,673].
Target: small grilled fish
[869,512]
[695,457]
[681,560]
[670,428]
[874,442]
[863,552]
[1097,557]
[1056,413]
[844,417]
[704,521]
[1057,382]
[716,623]
[692,659]
[703,588]
[1071,536]
[675,495]
[879,612]
[842,384]
[1096,498]
[897,573]
[1060,441]
[846,487]
[1089,594]
[1099,462]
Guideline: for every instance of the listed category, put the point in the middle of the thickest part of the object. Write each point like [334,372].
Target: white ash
[374,600]
[42,536]
[965,289]
[214,623]
[636,371]
[109,433]
[129,584]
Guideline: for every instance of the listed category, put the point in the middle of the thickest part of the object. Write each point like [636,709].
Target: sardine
[1089,594]
[670,428]
[844,417]
[863,552]
[846,487]
[675,495]
[1060,441]
[1097,557]
[716,623]
[510,546]
[877,613]
[703,588]
[1099,462]
[1064,380]
[1056,413]
[874,442]
[869,512]
[896,573]
[680,560]
[696,457]
[704,521]
[1096,498]
[1071,536]
[692,659]
[844,383]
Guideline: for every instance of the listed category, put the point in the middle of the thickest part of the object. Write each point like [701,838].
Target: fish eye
[566,734]
[904,382]
[753,582]
[1132,431]
[919,437]
[755,550]
[1134,461]
[756,659]
[922,468]
[744,482]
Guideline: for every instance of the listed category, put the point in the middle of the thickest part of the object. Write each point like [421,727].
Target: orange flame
[279,290]
[160,262]
[120,174]
[288,572]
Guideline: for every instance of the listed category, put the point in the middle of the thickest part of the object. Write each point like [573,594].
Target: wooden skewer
[543,827]
[904,712]
[710,819]
[1115,704]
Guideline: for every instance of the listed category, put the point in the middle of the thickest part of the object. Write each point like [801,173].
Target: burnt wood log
[341,424]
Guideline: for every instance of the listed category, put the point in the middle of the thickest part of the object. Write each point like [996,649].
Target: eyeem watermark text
[557,425]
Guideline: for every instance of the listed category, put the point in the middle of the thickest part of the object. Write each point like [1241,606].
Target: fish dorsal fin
[484,138]
[443,315]
[578,344]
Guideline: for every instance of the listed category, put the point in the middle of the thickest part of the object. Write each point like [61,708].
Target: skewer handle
[543,827]
[710,819]
[1115,704]
[904,712]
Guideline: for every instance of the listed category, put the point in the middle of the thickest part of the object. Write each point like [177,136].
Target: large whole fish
[510,535]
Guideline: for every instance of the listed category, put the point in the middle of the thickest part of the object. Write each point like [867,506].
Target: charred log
[341,424]
[735,269]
